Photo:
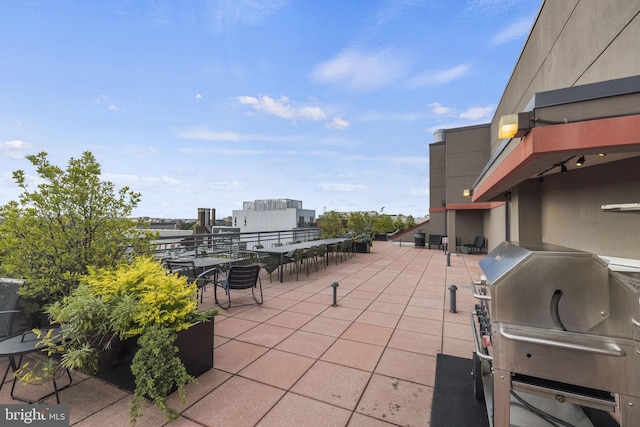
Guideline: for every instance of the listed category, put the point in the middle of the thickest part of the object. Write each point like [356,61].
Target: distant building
[273,215]
[206,221]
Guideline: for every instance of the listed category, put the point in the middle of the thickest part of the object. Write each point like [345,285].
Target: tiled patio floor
[298,361]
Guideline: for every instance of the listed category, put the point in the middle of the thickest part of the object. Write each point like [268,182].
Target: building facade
[273,215]
[571,174]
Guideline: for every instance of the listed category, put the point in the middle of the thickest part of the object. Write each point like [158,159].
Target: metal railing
[229,244]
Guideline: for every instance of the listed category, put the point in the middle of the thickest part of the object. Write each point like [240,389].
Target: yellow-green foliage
[122,302]
[138,299]
[143,294]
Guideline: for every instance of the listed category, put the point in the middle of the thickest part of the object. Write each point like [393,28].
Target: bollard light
[335,285]
[452,298]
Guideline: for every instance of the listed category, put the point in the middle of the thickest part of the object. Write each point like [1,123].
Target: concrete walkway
[298,361]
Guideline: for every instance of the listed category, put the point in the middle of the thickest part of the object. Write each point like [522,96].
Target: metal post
[452,298]
[448,259]
[334,285]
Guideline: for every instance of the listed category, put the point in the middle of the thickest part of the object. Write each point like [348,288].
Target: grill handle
[635,322]
[478,294]
[476,341]
[605,348]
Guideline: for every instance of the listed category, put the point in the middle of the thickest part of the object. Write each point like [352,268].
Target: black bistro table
[16,347]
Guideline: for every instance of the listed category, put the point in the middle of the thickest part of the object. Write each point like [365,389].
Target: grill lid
[547,286]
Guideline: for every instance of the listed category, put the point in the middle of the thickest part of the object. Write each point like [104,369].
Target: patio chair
[435,240]
[239,277]
[310,256]
[294,258]
[270,263]
[249,257]
[12,320]
[322,254]
[336,251]
[188,268]
[476,247]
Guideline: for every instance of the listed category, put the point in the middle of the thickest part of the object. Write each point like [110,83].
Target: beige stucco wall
[571,215]
[454,166]
[467,151]
[573,42]
[437,186]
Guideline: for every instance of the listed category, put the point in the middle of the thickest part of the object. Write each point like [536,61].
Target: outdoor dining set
[243,271]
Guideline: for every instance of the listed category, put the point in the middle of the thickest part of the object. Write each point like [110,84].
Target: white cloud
[282,108]
[97,100]
[436,78]
[338,123]
[477,113]
[15,149]
[361,71]
[226,14]
[138,181]
[230,136]
[515,31]
[198,96]
[440,110]
[102,99]
[225,151]
[339,186]
[224,185]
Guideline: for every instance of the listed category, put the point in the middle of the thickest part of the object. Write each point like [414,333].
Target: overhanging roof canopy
[599,118]
[548,147]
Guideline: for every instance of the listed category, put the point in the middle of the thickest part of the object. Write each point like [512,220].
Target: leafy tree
[410,221]
[399,224]
[187,225]
[357,223]
[331,225]
[71,221]
[383,224]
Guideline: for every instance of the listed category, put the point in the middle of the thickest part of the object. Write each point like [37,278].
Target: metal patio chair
[188,268]
[239,277]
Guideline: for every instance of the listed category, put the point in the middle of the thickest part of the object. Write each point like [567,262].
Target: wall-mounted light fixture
[515,125]
[580,161]
[467,193]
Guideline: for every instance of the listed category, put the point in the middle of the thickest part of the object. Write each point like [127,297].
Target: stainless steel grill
[559,326]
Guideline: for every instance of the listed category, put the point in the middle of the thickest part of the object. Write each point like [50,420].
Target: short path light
[334,285]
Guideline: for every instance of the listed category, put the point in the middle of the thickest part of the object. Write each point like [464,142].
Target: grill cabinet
[557,322]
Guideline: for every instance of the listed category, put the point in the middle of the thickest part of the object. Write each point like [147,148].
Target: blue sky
[209,103]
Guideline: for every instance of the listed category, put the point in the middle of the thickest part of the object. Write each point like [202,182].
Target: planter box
[195,349]
[362,247]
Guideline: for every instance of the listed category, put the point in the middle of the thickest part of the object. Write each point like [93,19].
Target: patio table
[282,250]
[19,346]
[204,263]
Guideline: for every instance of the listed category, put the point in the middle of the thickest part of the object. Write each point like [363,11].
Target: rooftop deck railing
[229,243]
